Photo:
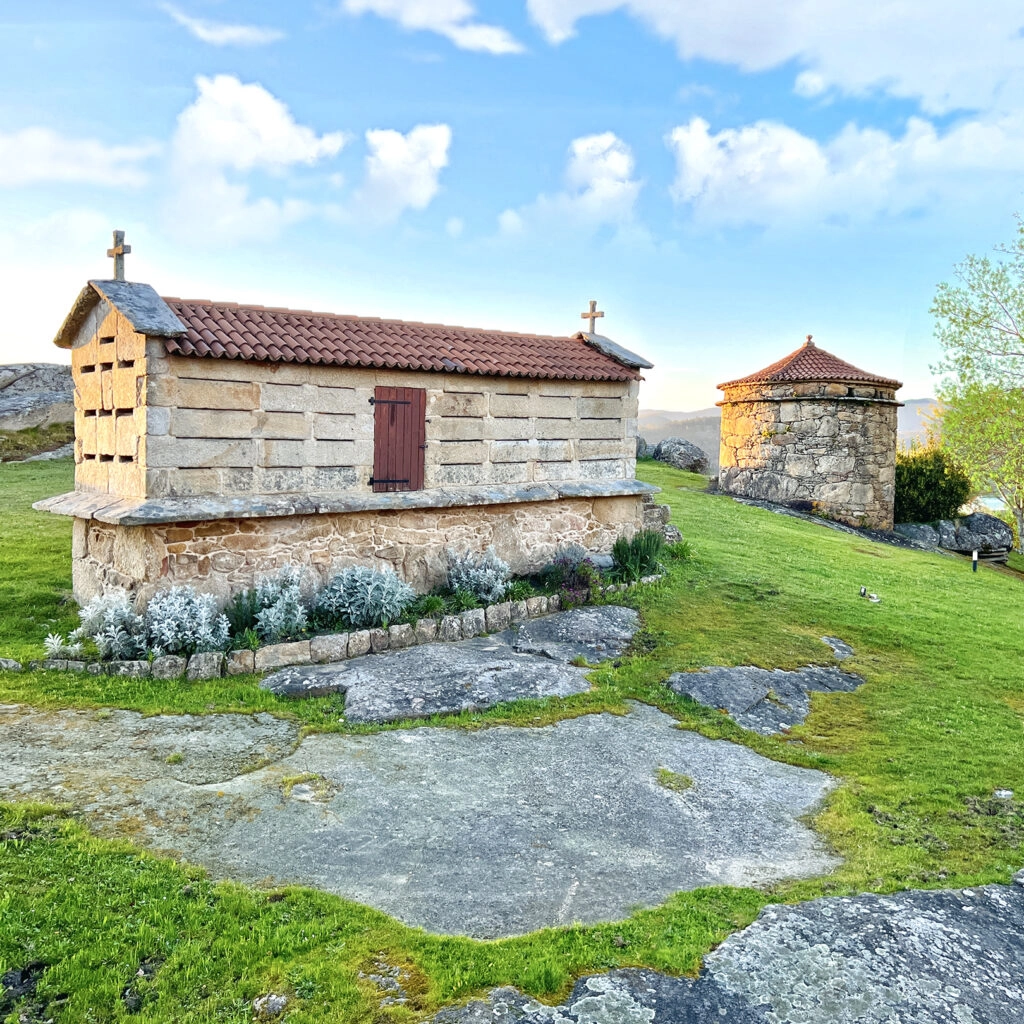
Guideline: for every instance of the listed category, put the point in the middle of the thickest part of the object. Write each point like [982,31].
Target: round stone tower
[815,433]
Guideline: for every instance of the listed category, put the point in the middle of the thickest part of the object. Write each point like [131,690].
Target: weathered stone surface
[518,611]
[764,700]
[426,631]
[947,956]
[473,622]
[10,665]
[499,617]
[35,395]
[450,628]
[358,643]
[240,663]
[643,450]
[379,640]
[841,650]
[127,669]
[536,607]
[275,655]
[329,648]
[594,634]
[489,832]
[207,665]
[170,666]
[682,454]
[919,533]
[976,532]
[312,680]
[401,635]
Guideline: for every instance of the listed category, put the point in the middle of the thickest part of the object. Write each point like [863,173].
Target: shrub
[180,621]
[242,610]
[429,606]
[282,611]
[111,623]
[638,556]
[929,485]
[362,597]
[462,601]
[519,590]
[570,575]
[486,576]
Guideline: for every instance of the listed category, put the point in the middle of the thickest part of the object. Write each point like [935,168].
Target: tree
[983,426]
[979,318]
[979,321]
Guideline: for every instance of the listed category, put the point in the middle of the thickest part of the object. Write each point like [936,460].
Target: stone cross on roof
[118,252]
[592,315]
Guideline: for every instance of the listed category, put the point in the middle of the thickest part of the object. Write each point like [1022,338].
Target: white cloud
[35,155]
[600,189]
[452,19]
[945,53]
[403,171]
[218,33]
[243,127]
[767,173]
[233,127]
[809,84]
[454,226]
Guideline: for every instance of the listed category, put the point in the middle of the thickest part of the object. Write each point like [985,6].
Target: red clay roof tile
[228,331]
[810,363]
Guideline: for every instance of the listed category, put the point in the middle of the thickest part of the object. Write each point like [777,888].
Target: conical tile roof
[810,363]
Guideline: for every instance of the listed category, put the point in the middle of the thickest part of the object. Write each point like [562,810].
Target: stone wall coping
[760,399]
[143,512]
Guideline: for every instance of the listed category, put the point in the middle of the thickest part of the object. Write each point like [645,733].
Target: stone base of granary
[223,556]
[855,503]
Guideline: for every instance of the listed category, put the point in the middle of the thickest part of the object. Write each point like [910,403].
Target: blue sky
[722,178]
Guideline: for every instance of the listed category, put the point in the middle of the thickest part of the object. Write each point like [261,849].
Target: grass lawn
[919,751]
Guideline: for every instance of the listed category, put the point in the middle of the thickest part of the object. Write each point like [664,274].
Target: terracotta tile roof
[226,330]
[810,363]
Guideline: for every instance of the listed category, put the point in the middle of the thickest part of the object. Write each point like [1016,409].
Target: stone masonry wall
[227,555]
[829,447]
[234,428]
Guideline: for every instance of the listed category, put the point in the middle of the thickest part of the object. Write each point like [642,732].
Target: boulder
[682,454]
[35,395]
[919,533]
[643,449]
[981,532]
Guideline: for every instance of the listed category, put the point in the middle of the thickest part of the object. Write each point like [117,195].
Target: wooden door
[399,438]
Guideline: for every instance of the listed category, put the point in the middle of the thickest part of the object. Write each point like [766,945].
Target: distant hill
[702,426]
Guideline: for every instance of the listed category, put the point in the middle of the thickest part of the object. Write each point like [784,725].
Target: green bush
[639,556]
[929,485]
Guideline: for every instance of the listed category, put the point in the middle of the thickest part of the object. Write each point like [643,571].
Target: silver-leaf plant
[282,610]
[364,597]
[486,576]
[181,621]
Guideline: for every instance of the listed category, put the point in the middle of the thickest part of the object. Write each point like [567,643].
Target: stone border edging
[326,648]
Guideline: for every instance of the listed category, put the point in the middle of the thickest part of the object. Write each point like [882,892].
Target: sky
[722,178]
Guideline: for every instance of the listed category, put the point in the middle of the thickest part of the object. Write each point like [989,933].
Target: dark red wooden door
[399,438]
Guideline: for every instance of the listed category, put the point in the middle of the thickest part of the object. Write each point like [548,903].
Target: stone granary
[815,433]
[216,442]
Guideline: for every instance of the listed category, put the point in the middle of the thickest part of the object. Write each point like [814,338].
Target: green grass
[918,751]
[20,444]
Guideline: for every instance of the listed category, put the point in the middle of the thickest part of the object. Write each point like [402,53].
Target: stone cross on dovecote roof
[118,252]
[592,315]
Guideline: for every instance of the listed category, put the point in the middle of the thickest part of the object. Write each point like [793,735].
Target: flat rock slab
[432,679]
[593,634]
[763,700]
[488,833]
[948,956]
[531,660]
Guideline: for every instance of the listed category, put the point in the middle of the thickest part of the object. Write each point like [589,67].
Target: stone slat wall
[828,446]
[227,555]
[228,427]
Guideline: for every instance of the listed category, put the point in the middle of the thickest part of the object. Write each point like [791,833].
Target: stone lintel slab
[765,399]
[144,512]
